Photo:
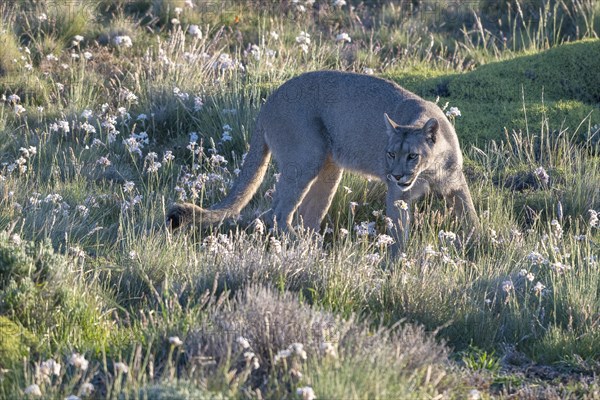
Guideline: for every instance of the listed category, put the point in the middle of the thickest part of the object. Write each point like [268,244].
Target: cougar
[321,123]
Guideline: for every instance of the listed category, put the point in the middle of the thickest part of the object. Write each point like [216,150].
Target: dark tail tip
[178,215]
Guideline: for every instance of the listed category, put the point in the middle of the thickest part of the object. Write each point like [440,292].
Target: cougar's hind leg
[300,159]
[293,185]
[318,199]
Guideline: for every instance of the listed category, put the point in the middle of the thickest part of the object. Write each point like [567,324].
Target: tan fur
[320,123]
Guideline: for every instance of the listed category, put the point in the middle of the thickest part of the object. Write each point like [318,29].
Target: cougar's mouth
[405,186]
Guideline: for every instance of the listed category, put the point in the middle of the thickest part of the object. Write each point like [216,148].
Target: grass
[101,148]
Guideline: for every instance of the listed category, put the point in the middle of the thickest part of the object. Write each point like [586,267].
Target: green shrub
[38,289]
[15,342]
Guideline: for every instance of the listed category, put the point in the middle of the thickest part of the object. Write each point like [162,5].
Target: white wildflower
[133,146]
[373,258]
[15,239]
[19,109]
[183,96]
[507,286]
[536,258]
[401,204]
[453,112]
[542,175]
[78,361]
[343,37]
[251,358]
[303,38]
[198,103]
[275,245]
[385,240]
[153,167]
[282,355]
[82,210]
[217,159]
[298,350]
[242,341]
[328,350]
[123,41]
[33,391]
[195,31]
[430,251]
[474,395]
[86,389]
[88,128]
[306,392]
[103,162]
[175,341]
[539,288]
[365,229]
[259,226]
[50,367]
[594,221]
[128,187]
[121,367]
[339,3]
[168,156]
[530,277]
[447,236]
[557,229]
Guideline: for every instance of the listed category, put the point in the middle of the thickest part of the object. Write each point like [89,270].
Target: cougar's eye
[413,156]
[391,154]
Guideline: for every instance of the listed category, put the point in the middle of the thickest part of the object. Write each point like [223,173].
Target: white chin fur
[405,188]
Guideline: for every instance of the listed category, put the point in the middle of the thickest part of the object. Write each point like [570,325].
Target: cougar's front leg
[398,207]
[459,198]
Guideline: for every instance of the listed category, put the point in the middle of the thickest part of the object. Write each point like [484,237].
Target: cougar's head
[409,151]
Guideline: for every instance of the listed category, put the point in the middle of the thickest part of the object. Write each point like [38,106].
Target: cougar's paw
[180,214]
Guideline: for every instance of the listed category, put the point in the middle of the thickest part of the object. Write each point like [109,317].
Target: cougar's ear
[390,125]
[430,129]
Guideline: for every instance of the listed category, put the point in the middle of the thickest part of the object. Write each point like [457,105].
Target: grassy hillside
[561,85]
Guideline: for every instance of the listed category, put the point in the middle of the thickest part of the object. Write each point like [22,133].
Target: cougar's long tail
[252,173]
